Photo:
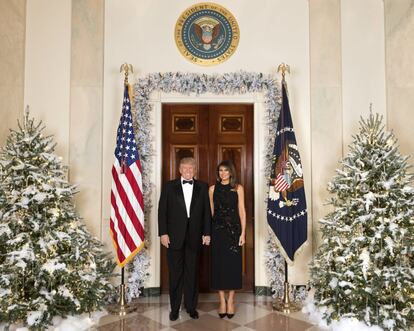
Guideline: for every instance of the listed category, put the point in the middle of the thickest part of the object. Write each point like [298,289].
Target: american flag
[127,202]
[281,184]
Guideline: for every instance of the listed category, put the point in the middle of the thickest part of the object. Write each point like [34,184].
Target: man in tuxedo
[184,222]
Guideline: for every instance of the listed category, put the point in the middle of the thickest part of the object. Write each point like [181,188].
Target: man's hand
[206,240]
[165,240]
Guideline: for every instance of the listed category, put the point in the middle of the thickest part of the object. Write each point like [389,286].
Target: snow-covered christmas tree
[49,264]
[364,266]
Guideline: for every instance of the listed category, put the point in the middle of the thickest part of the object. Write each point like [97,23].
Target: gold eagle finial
[283,68]
[126,68]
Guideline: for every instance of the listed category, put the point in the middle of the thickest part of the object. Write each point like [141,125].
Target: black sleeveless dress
[226,260]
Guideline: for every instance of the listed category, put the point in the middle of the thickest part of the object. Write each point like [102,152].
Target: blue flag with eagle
[286,206]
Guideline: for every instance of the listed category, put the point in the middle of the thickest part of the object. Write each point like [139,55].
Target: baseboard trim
[258,290]
[262,291]
[151,292]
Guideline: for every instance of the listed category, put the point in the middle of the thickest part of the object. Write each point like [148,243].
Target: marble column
[86,84]
[12,51]
[363,63]
[399,47]
[326,102]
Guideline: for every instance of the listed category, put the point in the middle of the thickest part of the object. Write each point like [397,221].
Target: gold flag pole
[284,304]
[122,308]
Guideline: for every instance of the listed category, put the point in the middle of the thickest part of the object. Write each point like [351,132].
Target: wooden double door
[211,133]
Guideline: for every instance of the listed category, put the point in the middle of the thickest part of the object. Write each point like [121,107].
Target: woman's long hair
[230,167]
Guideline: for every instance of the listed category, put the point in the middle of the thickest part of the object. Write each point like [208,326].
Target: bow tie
[188,182]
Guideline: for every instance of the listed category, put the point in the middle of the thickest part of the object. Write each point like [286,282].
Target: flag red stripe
[134,177]
[121,256]
[125,234]
[127,205]
[135,187]
[122,211]
[139,166]
[281,188]
[281,183]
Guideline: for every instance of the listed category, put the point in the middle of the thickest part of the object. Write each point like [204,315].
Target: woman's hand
[242,239]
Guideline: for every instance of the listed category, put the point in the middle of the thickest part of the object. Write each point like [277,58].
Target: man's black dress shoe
[173,315]
[193,314]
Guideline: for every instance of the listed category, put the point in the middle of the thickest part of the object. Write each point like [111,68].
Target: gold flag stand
[284,304]
[122,308]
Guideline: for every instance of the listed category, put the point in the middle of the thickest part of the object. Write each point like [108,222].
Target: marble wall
[259,50]
[399,46]
[12,46]
[326,101]
[363,63]
[62,57]
[47,68]
[86,110]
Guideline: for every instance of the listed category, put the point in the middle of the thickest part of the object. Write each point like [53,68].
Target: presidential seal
[207,34]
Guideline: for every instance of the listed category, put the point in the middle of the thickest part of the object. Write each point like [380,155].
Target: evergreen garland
[188,83]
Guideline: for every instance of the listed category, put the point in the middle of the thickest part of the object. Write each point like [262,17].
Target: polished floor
[252,313]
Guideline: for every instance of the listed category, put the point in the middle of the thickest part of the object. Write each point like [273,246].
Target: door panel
[231,138]
[210,134]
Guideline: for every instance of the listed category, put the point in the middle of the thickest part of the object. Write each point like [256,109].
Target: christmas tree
[49,264]
[364,266]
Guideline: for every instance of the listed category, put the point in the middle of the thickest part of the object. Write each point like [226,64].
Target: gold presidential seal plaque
[207,34]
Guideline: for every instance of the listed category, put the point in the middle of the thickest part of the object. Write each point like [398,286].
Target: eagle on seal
[207,32]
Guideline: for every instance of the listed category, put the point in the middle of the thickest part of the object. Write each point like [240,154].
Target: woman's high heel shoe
[222,315]
[230,315]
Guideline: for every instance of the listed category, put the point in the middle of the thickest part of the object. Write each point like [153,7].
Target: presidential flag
[286,207]
[127,202]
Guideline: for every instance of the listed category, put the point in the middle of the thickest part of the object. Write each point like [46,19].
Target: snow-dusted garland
[192,83]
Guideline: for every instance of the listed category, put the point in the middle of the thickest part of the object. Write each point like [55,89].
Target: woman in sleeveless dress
[227,236]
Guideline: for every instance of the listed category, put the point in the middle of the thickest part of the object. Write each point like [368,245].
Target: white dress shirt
[188,193]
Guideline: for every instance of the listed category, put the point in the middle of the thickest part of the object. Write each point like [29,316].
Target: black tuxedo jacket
[172,214]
